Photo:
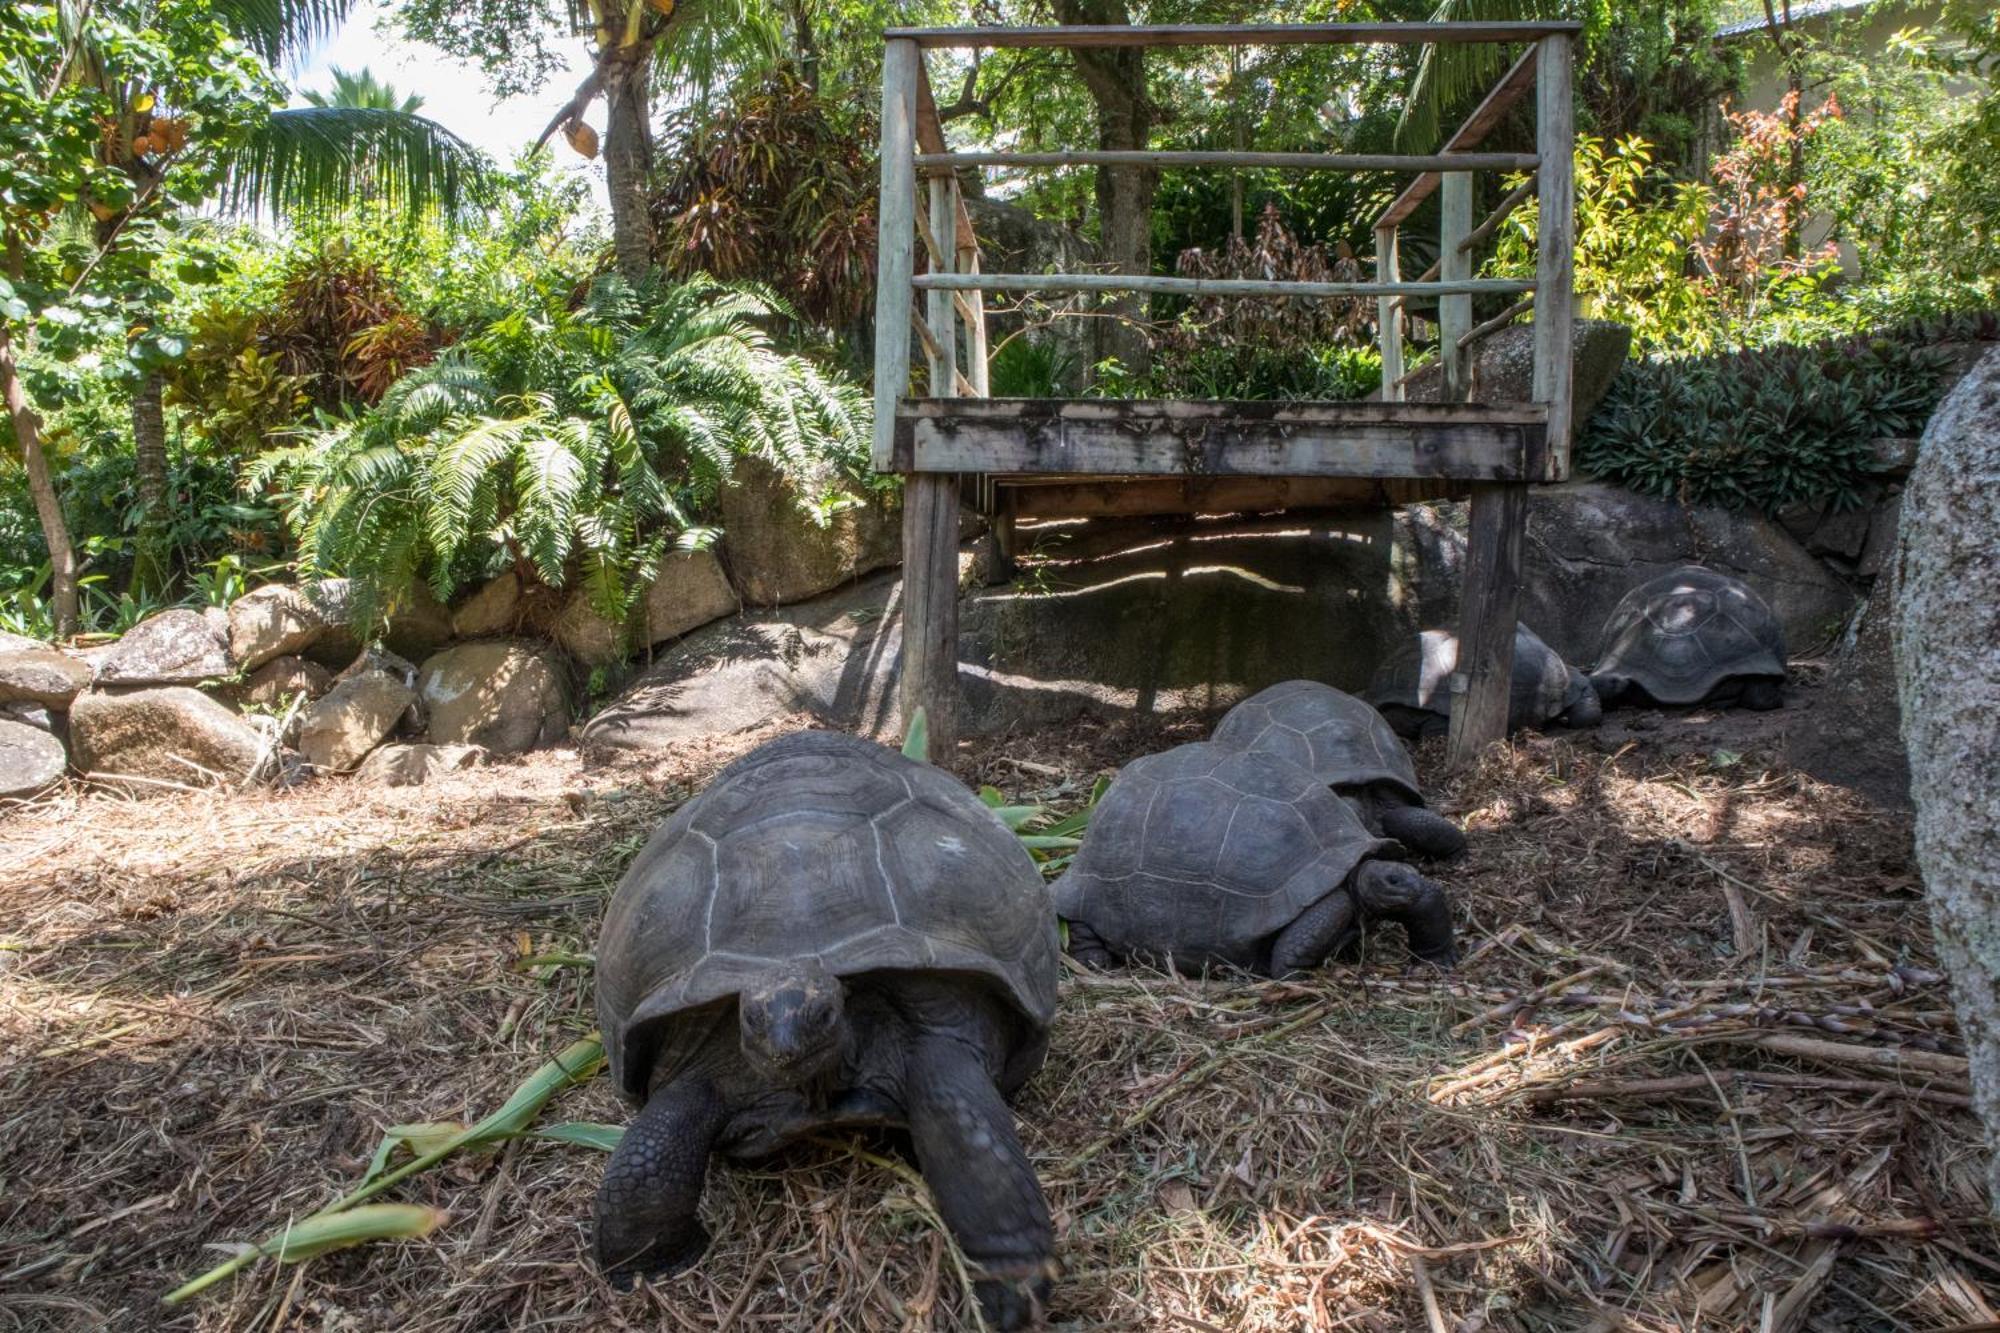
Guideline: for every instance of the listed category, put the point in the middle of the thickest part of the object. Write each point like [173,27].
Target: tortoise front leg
[649,1206]
[1314,934]
[986,1191]
[1393,890]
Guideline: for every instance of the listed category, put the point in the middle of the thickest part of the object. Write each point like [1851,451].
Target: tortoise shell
[1331,734]
[1419,677]
[1680,635]
[815,845]
[1206,851]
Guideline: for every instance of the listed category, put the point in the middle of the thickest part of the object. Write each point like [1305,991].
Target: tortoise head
[1581,706]
[794,1024]
[1610,687]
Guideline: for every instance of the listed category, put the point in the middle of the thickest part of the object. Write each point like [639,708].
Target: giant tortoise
[1692,636]
[831,934]
[1413,688]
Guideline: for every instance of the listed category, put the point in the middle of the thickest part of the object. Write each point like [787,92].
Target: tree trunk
[1948,681]
[1116,79]
[628,156]
[55,530]
[152,541]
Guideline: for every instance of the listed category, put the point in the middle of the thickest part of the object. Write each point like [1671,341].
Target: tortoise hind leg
[1087,947]
[648,1208]
[1425,832]
[1314,935]
[1762,694]
[1393,890]
[985,1189]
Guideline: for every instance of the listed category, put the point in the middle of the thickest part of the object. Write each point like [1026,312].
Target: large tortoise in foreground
[1206,854]
[1689,637]
[1349,747]
[831,934]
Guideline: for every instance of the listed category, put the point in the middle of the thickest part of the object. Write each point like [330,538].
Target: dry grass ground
[1695,1072]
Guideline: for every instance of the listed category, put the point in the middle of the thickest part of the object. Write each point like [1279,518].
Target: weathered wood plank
[896,243]
[943,342]
[1142,282]
[1102,157]
[1491,604]
[1454,265]
[1125,497]
[930,608]
[1013,437]
[1513,86]
[1232,34]
[1555,297]
[1389,313]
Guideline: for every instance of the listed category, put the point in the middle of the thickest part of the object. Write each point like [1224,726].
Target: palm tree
[324,156]
[1451,74]
[360,88]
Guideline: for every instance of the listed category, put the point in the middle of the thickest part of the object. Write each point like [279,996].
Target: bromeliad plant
[576,444]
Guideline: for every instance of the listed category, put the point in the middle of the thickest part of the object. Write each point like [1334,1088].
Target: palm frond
[1453,75]
[281,29]
[308,158]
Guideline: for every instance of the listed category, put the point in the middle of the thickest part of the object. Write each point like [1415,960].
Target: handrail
[1147,282]
[1233,34]
[1279,161]
[1513,86]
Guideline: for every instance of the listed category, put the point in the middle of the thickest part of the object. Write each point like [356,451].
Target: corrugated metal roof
[1753,20]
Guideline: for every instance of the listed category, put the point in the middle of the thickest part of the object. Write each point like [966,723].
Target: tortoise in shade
[1206,854]
[830,935]
[1689,637]
[1413,688]
[1351,749]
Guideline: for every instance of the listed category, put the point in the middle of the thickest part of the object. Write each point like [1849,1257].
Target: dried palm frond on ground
[1697,1071]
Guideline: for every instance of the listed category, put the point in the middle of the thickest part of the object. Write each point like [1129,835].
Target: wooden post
[1454,265]
[1491,604]
[930,523]
[1555,143]
[896,245]
[1389,314]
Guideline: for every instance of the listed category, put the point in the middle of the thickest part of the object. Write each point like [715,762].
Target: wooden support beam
[1389,314]
[1097,157]
[1134,438]
[1555,297]
[1121,497]
[1454,265]
[1513,86]
[943,318]
[1491,603]
[896,244]
[1142,282]
[930,608]
[1231,34]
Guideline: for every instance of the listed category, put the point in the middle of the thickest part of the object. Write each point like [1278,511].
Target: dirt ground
[1696,1070]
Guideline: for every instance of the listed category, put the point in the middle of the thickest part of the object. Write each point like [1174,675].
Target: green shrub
[1766,428]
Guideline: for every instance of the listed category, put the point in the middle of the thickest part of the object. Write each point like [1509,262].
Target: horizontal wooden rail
[1513,86]
[1163,286]
[1232,34]
[1277,161]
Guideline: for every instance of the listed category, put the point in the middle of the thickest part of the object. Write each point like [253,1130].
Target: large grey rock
[343,638]
[355,716]
[502,695]
[276,620]
[778,555]
[414,765]
[1851,733]
[41,676]
[1588,543]
[18,643]
[1503,370]
[1191,622]
[590,636]
[274,683]
[1947,635]
[172,734]
[689,591]
[177,647]
[491,610]
[30,760]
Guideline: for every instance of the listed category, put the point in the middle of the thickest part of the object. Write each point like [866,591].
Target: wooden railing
[914,149]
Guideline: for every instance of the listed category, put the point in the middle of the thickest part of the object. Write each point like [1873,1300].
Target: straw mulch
[1696,1071]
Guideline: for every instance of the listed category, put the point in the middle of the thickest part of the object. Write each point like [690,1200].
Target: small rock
[777,555]
[18,643]
[503,695]
[380,659]
[1893,458]
[419,624]
[177,647]
[172,734]
[273,684]
[33,715]
[276,620]
[355,716]
[588,636]
[413,765]
[30,760]
[1800,517]
[42,676]
[334,600]
[1842,534]
[690,591]
[1881,547]
[491,610]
